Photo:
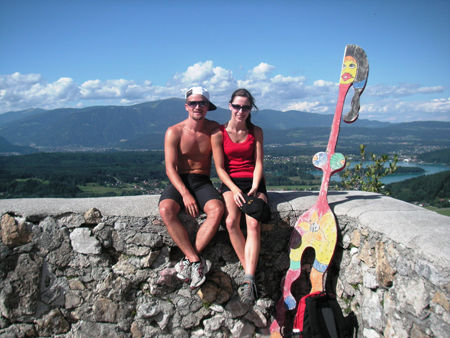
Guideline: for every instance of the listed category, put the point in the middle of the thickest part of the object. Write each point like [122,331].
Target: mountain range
[142,126]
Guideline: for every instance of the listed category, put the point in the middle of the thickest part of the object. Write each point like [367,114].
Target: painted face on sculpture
[348,70]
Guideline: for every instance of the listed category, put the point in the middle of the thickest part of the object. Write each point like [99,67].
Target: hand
[190,205]
[253,191]
[238,198]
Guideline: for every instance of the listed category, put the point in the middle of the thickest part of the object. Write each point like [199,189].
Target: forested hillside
[436,156]
[430,189]
[131,173]
[142,127]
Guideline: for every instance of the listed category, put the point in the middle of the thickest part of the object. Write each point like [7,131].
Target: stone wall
[104,267]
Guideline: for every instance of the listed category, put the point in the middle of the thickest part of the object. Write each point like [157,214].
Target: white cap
[201,91]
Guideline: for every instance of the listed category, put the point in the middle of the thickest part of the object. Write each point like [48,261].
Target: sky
[81,53]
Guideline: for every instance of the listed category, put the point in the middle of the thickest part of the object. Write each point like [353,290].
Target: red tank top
[239,157]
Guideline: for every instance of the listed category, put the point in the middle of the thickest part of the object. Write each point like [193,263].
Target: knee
[232,223]
[166,211]
[215,210]
[253,225]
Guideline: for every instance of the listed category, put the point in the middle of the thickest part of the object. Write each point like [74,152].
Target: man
[187,149]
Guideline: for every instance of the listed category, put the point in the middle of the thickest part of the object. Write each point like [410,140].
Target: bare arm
[258,173]
[219,162]
[171,141]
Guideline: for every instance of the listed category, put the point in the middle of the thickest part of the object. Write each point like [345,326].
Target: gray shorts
[200,186]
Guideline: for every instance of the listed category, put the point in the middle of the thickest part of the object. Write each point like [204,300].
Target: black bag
[319,315]
[256,208]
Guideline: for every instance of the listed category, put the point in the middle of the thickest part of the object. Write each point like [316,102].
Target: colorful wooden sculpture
[316,228]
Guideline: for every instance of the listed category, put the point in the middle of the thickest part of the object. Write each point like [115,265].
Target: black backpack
[319,315]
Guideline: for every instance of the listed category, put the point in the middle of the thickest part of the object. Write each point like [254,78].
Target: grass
[442,211]
[292,187]
[93,189]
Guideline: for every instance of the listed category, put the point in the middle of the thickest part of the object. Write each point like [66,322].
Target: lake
[429,170]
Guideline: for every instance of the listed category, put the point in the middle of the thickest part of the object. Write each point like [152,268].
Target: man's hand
[190,205]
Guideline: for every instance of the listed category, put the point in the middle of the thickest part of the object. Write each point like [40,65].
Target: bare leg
[232,223]
[214,211]
[169,210]
[252,245]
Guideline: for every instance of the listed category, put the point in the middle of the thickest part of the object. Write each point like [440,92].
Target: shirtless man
[187,149]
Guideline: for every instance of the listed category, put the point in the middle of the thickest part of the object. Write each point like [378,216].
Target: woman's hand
[238,197]
[253,191]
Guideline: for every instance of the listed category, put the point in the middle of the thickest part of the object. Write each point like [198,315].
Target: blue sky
[287,53]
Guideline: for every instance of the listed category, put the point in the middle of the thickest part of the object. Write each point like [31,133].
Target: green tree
[366,177]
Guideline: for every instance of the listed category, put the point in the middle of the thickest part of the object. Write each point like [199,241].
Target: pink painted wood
[317,228]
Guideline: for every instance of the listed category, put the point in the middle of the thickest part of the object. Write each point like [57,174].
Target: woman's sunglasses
[239,107]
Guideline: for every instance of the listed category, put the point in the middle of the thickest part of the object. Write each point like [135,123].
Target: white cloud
[261,71]
[401,90]
[21,91]
[398,102]
[312,107]
[120,89]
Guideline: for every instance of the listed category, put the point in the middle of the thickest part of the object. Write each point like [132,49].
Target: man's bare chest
[196,144]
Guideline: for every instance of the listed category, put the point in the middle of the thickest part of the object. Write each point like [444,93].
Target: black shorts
[245,184]
[200,186]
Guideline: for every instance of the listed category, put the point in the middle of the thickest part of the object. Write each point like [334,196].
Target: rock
[156,310]
[52,323]
[441,299]
[19,293]
[416,332]
[105,310]
[356,238]
[242,329]
[412,297]
[84,328]
[93,216]
[83,242]
[369,333]
[370,278]
[208,292]
[256,317]
[49,235]
[72,300]
[371,312]
[213,324]
[236,308]
[217,288]
[394,328]
[18,330]
[70,220]
[15,233]
[52,289]
[385,273]
[367,254]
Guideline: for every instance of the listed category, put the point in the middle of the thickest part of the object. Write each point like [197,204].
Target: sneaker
[198,272]
[248,292]
[183,269]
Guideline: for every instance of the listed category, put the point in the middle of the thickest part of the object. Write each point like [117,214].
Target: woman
[238,157]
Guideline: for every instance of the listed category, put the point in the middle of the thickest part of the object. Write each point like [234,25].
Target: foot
[183,269]
[198,272]
[248,292]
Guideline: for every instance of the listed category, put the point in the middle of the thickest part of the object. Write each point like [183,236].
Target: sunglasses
[239,107]
[195,103]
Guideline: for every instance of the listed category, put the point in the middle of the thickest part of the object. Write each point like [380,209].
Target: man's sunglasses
[195,103]
[239,107]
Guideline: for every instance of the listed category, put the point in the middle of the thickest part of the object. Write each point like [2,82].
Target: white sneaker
[198,272]
[183,269]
